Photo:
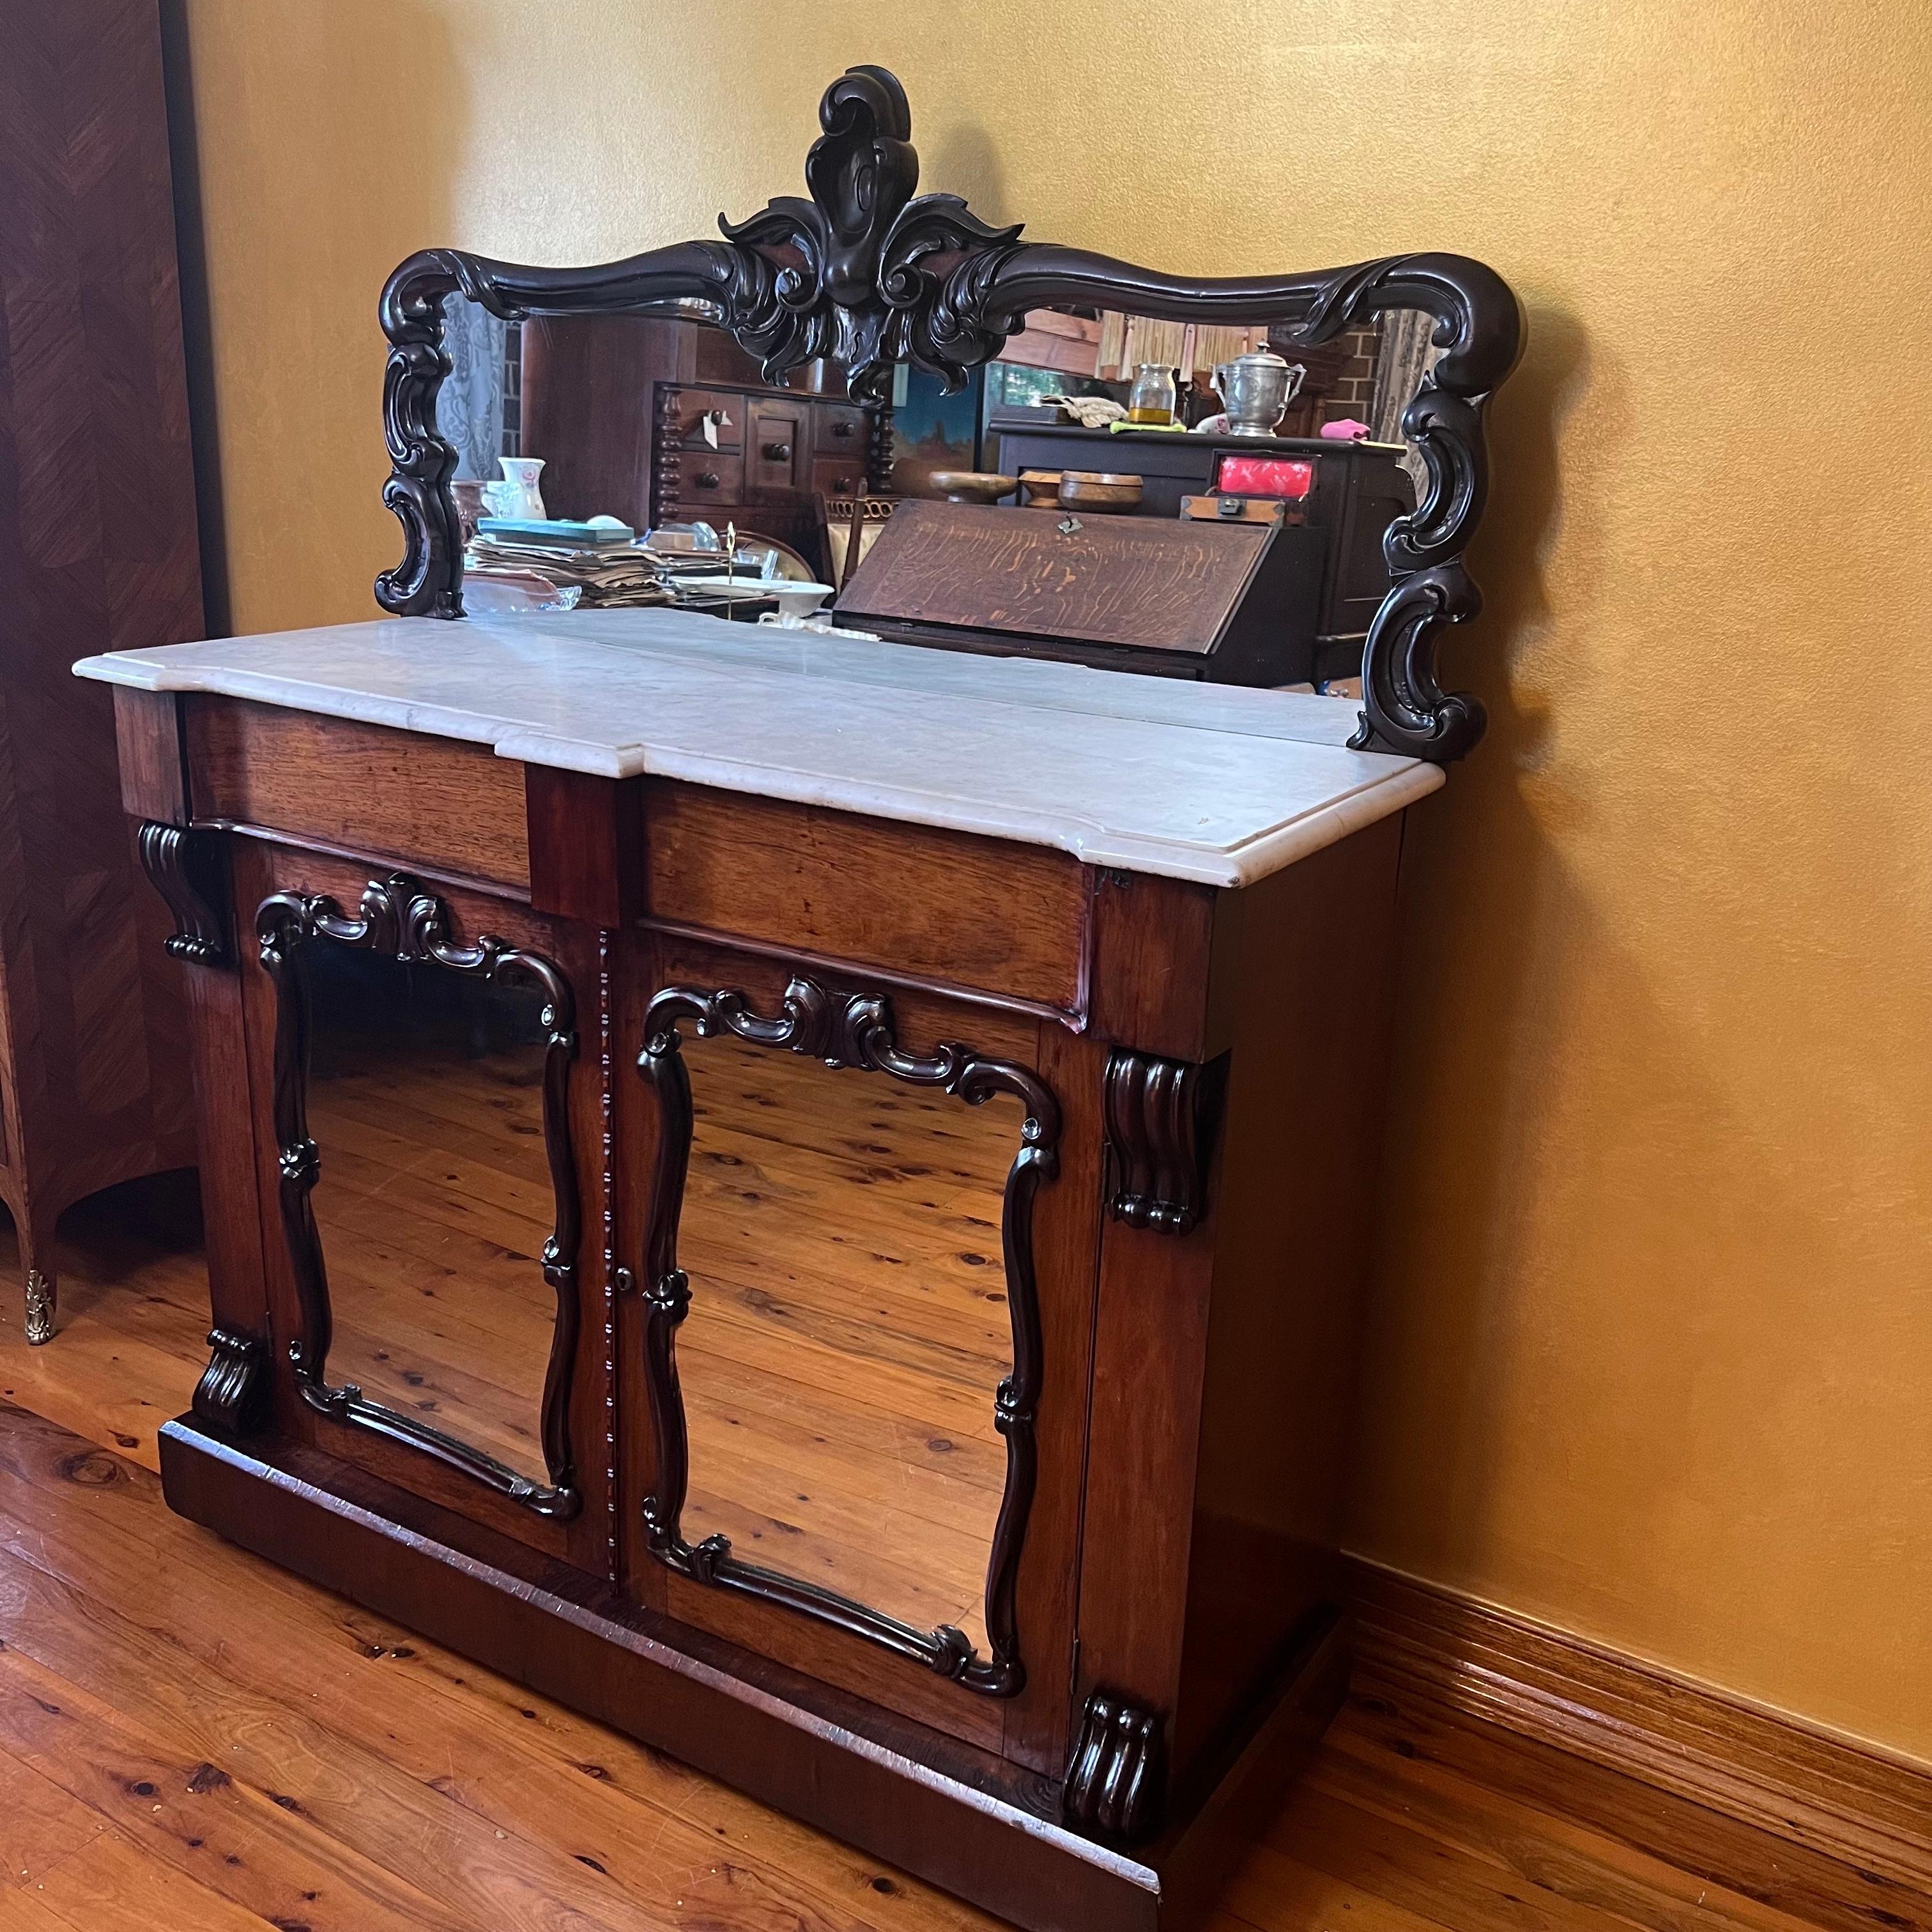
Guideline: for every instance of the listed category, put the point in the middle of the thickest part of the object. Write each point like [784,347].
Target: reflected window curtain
[470,410]
[1407,354]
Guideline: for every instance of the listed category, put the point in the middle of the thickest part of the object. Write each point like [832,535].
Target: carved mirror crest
[845,1316]
[871,275]
[437,1073]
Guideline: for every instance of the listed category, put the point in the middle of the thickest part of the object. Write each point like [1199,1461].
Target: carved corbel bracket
[228,1396]
[1113,1785]
[185,868]
[1161,1118]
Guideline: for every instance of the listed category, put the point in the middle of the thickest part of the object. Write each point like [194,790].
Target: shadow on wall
[1530,1166]
[965,162]
[381,134]
[1471,856]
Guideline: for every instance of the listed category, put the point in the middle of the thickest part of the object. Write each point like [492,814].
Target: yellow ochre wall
[1652,1355]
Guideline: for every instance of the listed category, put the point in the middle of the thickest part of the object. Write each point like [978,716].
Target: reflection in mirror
[641,446]
[726,489]
[434,1199]
[476,409]
[848,1328]
[1364,376]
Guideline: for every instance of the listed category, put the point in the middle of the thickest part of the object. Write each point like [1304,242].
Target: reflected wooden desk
[807,1200]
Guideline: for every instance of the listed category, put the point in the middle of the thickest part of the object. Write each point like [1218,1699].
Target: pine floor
[190,1739]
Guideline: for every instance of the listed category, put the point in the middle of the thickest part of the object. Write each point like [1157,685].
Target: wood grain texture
[955,909]
[586,845]
[1763,1768]
[154,770]
[323,1746]
[1123,581]
[451,809]
[1155,988]
[98,553]
[1225,1357]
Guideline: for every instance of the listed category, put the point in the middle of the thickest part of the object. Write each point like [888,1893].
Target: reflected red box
[1289,476]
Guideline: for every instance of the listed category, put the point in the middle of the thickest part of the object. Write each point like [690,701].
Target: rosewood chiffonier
[804,1194]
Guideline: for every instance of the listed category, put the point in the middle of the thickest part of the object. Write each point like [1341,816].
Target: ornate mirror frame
[401,920]
[868,273]
[852,1031]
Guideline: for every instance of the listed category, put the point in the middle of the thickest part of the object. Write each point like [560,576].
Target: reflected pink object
[1347,430]
[1291,477]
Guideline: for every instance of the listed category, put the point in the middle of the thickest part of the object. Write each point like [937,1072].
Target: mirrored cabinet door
[844,1322]
[426,1192]
[849,1329]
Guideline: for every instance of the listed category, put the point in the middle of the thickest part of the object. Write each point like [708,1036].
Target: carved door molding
[402,920]
[845,1030]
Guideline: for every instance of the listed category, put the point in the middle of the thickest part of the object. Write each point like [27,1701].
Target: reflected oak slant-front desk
[805,1198]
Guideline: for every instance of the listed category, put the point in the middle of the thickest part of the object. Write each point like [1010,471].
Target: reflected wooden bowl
[973,486]
[1098,489]
[1039,489]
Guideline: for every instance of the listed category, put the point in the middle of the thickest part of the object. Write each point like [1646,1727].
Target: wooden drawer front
[433,802]
[839,476]
[711,476]
[691,407]
[933,905]
[774,454]
[841,431]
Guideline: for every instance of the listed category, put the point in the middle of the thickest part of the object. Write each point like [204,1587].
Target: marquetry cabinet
[97,552]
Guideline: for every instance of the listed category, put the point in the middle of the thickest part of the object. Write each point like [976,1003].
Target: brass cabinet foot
[42,1297]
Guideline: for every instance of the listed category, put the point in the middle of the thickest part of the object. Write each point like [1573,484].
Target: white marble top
[1198,781]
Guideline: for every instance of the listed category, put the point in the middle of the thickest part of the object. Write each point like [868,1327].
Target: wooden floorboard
[191,1738]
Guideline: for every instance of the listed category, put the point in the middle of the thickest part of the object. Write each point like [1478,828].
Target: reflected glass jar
[1151,399]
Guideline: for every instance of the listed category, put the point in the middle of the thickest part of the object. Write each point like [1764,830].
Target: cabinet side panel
[1300,1148]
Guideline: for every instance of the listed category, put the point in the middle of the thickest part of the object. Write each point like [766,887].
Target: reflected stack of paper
[603,561]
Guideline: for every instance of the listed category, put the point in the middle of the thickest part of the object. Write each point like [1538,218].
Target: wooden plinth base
[898,1790]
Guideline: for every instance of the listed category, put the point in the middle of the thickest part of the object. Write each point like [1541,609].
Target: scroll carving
[181,867]
[405,921]
[1161,1116]
[853,1030]
[866,271]
[1112,1788]
[229,1394]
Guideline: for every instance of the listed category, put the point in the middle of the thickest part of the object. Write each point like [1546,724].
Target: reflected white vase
[517,495]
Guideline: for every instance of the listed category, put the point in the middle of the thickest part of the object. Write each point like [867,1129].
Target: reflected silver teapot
[1256,389]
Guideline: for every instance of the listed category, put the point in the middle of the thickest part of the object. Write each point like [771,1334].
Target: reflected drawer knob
[706,479]
[841,428]
[777,452]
